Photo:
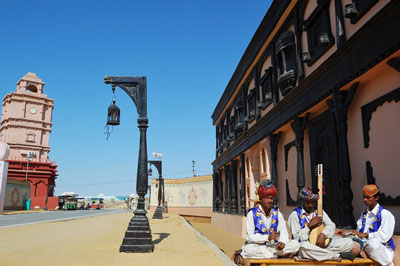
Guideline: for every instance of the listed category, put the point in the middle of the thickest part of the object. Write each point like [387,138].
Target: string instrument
[313,236]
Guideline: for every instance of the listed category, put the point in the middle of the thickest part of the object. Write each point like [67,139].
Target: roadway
[12,220]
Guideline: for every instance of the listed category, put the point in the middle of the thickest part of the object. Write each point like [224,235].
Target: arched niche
[32,88]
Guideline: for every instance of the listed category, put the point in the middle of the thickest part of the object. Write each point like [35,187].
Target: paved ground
[225,241]
[96,241]
[24,218]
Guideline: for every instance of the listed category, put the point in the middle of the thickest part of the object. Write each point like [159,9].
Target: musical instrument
[313,236]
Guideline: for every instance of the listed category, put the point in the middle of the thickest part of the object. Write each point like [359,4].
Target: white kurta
[374,244]
[311,251]
[257,245]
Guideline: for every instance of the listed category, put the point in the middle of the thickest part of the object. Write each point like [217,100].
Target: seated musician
[375,228]
[304,219]
[266,233]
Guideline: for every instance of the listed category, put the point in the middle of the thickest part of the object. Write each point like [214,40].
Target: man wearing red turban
[375,228]
[266,233]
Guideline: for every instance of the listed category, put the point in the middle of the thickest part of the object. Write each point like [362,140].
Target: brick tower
[26,121]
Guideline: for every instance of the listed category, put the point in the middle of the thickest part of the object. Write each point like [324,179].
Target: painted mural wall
[16,194]
[188,196]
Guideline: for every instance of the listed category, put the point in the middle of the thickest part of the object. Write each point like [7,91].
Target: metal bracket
[135,87]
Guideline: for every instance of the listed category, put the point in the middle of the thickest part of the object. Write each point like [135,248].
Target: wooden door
[324,150]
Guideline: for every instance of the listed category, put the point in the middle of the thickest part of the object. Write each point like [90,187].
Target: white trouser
[335,247]
[377,251]
[262,251]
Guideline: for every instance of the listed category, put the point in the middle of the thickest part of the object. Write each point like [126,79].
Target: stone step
[138,228]
[137,248]
[138,234]
[137,241]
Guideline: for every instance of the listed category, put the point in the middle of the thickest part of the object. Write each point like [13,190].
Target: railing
[25,159]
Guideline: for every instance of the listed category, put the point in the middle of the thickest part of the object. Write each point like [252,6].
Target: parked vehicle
[81,203]
[96,203]
[68,201]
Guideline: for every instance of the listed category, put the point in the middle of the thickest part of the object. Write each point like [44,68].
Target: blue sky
[187,49]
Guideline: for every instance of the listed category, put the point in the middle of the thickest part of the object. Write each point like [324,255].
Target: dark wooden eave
[375,41]
[264,30]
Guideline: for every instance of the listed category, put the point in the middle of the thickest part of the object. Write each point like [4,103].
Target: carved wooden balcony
[287,81]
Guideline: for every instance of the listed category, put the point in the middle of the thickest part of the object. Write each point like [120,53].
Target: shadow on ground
[161,238]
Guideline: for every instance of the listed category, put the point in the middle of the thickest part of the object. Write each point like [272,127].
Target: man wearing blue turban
[304,218]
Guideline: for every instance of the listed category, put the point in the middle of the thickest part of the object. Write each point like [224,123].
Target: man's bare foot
[356,248]
[363,255]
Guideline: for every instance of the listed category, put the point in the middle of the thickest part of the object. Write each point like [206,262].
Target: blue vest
[375,226]
[259,226]
[302,218]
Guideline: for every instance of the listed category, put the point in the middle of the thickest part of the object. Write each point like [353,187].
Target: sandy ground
[96,241]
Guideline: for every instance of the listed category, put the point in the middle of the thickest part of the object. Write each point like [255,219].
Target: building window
[266,88]
[240,114]
[263,161]
[225,133]
[30,137]
[219,140]
[248,167]
[31,88]
[357,9]
[319,33]
[286,62]
[232,124]
[251,105]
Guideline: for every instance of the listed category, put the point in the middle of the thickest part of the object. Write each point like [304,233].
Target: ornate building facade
[26,121]
[319,83]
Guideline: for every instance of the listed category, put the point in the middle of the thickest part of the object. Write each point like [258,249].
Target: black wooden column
[243,185]
[298,32]
[298,125]
[226,193]
[215,193]
[233,187]
[220,191]
[340,28]
[339,105]
[273,142]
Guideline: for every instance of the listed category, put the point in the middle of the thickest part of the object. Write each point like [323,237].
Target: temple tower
[26,121]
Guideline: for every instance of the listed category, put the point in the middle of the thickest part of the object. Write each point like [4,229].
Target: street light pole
[138,235]
[158,212]
[163,196]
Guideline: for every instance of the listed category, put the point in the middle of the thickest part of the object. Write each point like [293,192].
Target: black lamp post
[158,212]
[138,235]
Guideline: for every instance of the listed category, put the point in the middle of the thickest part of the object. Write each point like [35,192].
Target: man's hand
[280,246]
[273,236]
[321,240]
[339,232]
[359,234]
[315,221]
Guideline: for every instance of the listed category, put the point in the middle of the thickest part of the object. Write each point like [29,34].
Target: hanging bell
[113,114]
[150,171]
